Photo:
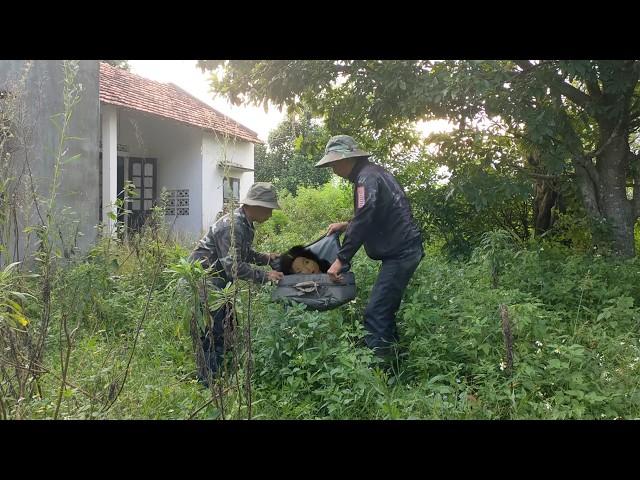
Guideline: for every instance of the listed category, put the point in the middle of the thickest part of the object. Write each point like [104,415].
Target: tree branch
[538,176]
[572,93]
[41,369]
[614,134]
[591,80]
[586,163]
[525,65]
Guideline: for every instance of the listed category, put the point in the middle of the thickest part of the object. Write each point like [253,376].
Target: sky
[187,76]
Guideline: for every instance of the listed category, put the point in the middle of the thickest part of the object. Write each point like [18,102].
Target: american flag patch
[360,195]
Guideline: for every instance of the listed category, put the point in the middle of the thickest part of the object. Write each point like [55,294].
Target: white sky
[185,74]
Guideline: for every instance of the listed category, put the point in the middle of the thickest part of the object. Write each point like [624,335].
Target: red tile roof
[124,89]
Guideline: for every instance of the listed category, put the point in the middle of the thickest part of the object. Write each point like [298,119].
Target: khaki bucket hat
[261,194]
[339,148]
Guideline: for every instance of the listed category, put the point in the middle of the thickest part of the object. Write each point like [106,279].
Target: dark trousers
[213,341]
[384,302]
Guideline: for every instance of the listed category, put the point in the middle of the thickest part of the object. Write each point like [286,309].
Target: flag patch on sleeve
[360,194]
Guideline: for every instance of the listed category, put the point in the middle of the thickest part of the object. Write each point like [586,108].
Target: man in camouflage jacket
[227,250]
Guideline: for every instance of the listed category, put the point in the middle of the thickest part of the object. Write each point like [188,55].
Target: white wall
[109,138]
[178,148]
[217,149]
[187,158]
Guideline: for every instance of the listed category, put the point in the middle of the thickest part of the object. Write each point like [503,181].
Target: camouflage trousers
[216,339]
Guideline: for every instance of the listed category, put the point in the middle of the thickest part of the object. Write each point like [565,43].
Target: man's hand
[337,227]
[274,276]
[334,271]
[272,259]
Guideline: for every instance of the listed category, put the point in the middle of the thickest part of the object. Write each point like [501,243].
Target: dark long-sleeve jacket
[214,249]
[382,219]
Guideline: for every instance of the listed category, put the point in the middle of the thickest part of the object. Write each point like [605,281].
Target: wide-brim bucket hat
[339,148]
[262,194]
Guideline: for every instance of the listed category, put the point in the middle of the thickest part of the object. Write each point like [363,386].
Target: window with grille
[142,173]
[231,189]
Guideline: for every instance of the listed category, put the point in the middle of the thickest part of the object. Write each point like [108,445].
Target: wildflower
[538,343]
[547,405]
[556,351]
[538,351]
[502,365]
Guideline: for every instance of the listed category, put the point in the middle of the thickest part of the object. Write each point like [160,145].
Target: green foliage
[573,118]
[293,372]
[294,147]
[481,192]
[12,297]
[123,64]
[561,369]
[493,250]
[305,217]
[574,320]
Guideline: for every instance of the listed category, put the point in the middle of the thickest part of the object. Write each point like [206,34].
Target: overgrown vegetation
[574,321]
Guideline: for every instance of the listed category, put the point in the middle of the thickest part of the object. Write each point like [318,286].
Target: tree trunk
[546,198]
[613,167]
[603,187]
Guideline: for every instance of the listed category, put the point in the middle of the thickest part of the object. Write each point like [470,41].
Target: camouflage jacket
[215,249]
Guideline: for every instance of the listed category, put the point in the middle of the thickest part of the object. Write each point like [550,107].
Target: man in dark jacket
[383,223]
[215,250]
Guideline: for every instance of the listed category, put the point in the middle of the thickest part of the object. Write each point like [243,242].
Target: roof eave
[255,140]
